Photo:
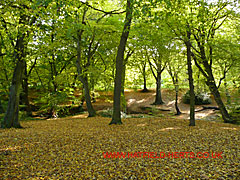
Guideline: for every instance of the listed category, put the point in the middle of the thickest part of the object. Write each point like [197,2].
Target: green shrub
[109,113]
[200,98]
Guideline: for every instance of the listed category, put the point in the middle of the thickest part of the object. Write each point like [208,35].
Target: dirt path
[138,102]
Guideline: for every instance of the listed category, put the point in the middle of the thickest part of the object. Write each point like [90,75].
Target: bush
[109,112]
[200,98]
[234,112]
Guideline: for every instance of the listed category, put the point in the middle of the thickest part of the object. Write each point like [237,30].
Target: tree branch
[199,67]
[105,12]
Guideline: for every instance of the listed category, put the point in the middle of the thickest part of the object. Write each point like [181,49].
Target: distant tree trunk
[124,70]
[144,78]
[178,112]
[91,111]
[11,116]
[116,118]
[1,107]
[190,78]
[145,83]
[174,76]
[25,91]
[158,77]
[158,97]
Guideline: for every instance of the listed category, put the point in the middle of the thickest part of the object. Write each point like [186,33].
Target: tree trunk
[123,78]
[11,117]
[144,79]
[25,91]
[145,84]
[82,77]
[207,72]
[190,78]
[1,107]
[214,90]
[178,112]
[158,98]
[116,118]
[123,100]
[91,111]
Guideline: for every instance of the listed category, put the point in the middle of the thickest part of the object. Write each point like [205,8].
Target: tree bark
[11,116]
[123,78]
[116,118]
[25,91]
[1,107]
[190,78]
[144,78]
[84,80]
[214,90]
[178,112]
[91,111]
[158,97]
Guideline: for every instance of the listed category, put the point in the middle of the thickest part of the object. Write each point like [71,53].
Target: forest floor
[150,148]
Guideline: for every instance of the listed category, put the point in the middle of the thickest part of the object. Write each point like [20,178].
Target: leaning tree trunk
[11,117]
[190,78]
[207,72]
[158,97]
[214,90]
[116,117]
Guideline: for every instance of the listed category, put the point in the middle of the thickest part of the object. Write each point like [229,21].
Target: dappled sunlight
[235,129]
[130,101]
[169,128]
[170,103]
[141,125]
[79,116]
[14,148]
[202,114]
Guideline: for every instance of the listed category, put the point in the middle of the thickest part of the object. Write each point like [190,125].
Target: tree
[19,44]
[159,66]
[204,36]
[116,118]
[179,19]
[174,67]
[190,78]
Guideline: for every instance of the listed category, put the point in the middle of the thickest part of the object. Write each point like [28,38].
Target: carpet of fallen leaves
[73,149]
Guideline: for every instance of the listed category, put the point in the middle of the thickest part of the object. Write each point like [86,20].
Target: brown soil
[140,102]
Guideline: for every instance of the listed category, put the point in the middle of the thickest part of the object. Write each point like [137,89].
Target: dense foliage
[56,47]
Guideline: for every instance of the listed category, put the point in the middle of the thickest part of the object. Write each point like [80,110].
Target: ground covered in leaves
[73,149]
